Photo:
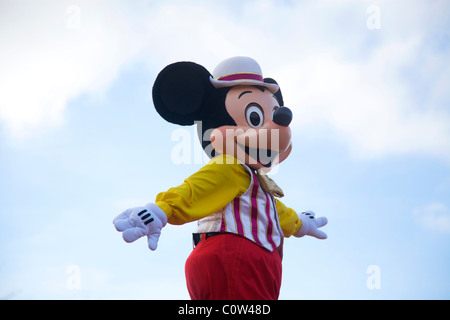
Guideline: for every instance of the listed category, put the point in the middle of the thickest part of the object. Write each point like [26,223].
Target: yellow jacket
[212,188]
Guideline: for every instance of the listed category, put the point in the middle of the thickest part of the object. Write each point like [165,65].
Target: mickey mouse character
[241,224]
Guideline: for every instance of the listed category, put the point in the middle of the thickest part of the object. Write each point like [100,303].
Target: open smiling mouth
[263,156]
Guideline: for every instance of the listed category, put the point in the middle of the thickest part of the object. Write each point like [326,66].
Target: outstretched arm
[203,193]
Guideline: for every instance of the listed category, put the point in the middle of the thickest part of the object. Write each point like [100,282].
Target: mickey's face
[261,137]
[248,122]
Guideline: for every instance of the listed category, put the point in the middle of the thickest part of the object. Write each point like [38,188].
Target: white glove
[137,222]
[310,225]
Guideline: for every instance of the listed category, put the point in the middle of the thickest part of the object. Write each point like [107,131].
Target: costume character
[244,127]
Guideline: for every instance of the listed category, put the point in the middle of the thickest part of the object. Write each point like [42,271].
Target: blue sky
[80,141]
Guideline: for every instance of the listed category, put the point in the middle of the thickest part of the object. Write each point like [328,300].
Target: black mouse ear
[180,91]
[277,94]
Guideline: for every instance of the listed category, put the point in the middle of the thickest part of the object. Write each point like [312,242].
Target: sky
[80,141]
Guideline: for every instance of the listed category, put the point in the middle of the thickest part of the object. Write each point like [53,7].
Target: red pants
[231,267]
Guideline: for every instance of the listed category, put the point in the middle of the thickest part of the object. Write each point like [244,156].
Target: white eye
[254,115]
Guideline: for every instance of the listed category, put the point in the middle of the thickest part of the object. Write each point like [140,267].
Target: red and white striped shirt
[252,215]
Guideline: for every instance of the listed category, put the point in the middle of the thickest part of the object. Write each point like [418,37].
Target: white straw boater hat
[240,71]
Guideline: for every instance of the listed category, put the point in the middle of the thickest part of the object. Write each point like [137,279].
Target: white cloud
[52,53]
[434,216]
[366,104]
[382,92]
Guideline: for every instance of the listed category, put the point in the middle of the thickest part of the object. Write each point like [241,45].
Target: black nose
[282,116]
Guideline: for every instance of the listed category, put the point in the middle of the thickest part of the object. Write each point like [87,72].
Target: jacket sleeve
[205,192]
[289,221]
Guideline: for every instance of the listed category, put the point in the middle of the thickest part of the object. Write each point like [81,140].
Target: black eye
[254,116]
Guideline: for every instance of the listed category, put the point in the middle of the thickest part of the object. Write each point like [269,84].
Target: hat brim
[272,87]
